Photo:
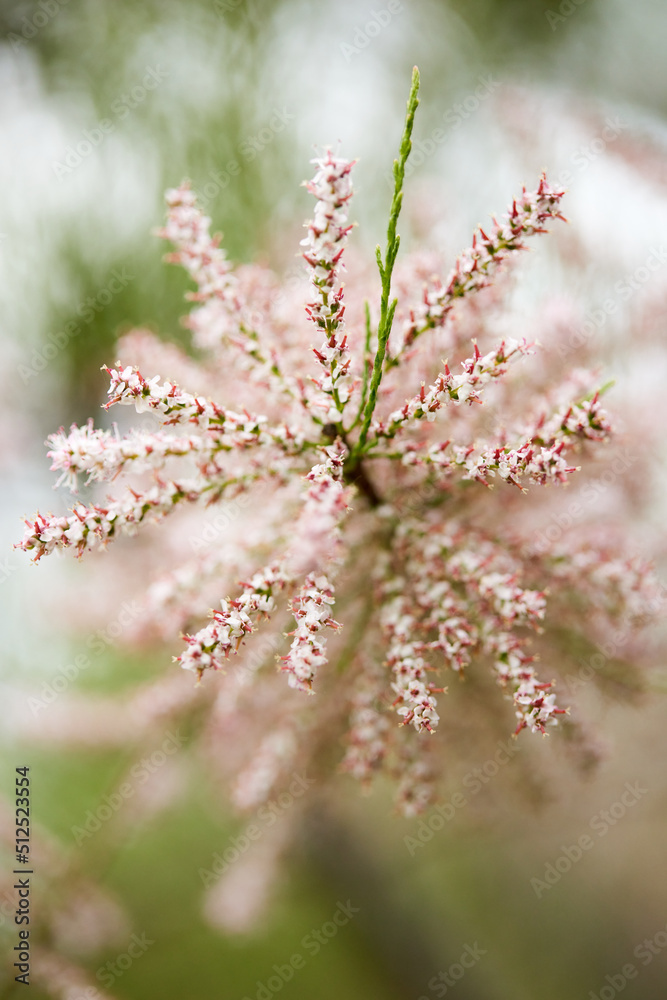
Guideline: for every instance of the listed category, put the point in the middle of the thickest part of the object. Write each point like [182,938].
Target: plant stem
[367,362]
[386,266]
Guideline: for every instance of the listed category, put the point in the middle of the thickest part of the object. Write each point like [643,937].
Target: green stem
[367,361]
[386,266]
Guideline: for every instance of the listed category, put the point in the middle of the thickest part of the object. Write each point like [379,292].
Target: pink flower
[361,460]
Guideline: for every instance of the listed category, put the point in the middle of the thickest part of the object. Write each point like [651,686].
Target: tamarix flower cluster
[388,460]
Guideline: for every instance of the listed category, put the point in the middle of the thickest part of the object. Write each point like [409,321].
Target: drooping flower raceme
[390,563]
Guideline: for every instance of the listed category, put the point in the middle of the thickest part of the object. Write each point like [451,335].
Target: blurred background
[104,105]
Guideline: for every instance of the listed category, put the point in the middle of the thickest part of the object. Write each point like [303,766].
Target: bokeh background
[260,84]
